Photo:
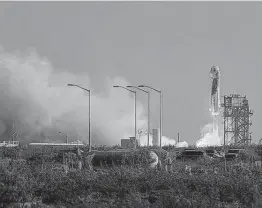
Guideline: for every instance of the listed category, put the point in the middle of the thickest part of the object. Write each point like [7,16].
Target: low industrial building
[128,143]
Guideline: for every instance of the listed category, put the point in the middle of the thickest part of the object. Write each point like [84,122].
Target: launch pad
[236,116]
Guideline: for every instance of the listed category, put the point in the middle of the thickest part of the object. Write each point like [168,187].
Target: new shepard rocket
[215,90]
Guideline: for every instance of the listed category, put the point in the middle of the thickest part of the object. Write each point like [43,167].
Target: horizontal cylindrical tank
[156,137]
[56,144]
[124,157]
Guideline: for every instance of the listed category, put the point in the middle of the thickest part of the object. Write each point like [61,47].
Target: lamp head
[141,85]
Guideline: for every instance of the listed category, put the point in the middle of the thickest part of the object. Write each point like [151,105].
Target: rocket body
[215,90]
[212,138]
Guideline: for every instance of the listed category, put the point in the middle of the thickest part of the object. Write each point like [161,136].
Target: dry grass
[129,185]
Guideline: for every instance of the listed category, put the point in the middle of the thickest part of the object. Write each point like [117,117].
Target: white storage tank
[156,137]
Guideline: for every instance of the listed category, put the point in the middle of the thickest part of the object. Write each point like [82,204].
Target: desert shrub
[128,185]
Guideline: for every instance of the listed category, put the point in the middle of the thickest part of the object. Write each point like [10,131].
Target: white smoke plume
[182,144]
[210,136]
[165,140]
[37,98]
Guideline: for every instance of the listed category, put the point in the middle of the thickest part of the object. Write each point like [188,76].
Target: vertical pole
[135,120]
[178,137]
[148,125]
[89,136]
[224,123]
[13,134]
[225,131]
[260,157]
[161,108]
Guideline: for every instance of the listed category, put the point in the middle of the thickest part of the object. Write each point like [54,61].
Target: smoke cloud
[165,140]
[36,97]
[2,127]
[210,137]
[182,144]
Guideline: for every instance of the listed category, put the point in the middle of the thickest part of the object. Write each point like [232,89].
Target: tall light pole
[161,108]
[135,107]
[148,119]
[89,135]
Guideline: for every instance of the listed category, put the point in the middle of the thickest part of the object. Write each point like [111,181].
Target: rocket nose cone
[214,72]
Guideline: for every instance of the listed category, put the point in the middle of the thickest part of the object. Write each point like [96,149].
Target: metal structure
[148,108]
[14,134]
[134,109]
[236,120]
[161,109]
[9,144]
[78,143]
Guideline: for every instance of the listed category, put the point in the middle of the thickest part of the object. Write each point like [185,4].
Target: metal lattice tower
[236,120]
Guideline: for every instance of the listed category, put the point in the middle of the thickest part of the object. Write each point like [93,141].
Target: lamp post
[135,107]
[161,108]
[148,119]
[89,135]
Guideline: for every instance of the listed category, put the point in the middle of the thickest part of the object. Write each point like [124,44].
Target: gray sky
[167,45]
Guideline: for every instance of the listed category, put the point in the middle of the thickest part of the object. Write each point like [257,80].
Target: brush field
[46,184]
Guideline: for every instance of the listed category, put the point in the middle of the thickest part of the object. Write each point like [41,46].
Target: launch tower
[236,120]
